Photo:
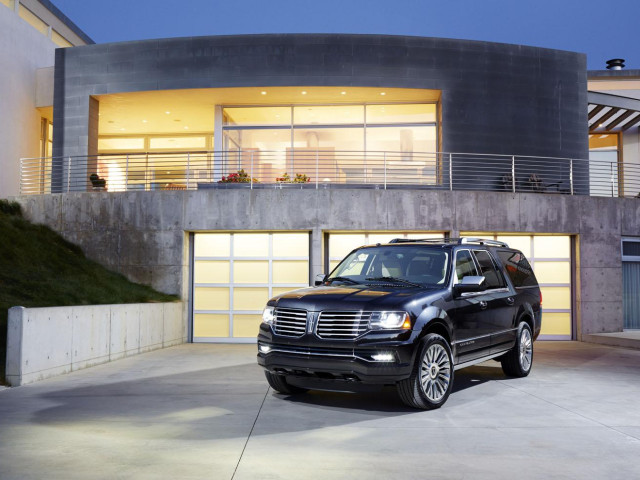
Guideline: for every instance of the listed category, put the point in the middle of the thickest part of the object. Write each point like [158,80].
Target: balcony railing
[326,168]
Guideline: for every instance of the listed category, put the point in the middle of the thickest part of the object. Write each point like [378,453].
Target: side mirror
[319,279]
[470,283]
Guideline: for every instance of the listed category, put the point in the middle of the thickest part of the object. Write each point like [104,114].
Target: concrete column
[14,346]
[317,250]
[218,143]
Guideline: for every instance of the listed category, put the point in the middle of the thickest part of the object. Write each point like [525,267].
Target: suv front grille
[342,325]
[290,322]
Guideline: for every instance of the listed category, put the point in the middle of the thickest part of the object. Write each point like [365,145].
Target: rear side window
[518,268]
[492,276]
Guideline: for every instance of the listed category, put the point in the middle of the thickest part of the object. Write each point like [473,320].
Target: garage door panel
[211,298]
[211,325]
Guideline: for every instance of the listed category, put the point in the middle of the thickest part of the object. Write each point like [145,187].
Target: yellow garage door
[550,257]
[234,274]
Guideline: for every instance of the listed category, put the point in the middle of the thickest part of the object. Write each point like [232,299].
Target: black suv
[407,313]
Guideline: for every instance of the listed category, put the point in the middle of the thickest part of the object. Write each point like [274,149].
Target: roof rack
[455,241]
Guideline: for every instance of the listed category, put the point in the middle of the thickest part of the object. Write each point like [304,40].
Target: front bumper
[312,358]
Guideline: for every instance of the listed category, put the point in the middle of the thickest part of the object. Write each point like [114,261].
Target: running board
[478,360]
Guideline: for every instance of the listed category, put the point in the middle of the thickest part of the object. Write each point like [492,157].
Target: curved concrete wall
[496,98]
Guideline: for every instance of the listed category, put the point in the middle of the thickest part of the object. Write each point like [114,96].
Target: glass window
[492,276]
[207,271]
[407,113]
[404,140]
[124,143]
[251,271]
[251,245]
[518,268]
[257,116]
[328,114]
[551,246]
[464,265]
[171,143]
[291,244]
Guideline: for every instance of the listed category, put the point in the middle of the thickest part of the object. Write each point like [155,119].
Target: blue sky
[601,30]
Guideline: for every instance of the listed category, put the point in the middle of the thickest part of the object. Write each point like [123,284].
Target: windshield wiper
[344,279]
[394,279]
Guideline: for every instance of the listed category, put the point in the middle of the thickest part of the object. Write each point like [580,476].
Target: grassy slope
[38,268]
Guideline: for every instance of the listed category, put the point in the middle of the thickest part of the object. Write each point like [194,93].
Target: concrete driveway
[205,411]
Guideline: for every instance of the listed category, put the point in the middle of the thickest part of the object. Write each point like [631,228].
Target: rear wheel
[518,361]
[279,384]
[431,379]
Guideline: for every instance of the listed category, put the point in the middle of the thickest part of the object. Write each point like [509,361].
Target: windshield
[405,265]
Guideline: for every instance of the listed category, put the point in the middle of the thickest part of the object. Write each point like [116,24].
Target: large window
[334,143]
[604,156]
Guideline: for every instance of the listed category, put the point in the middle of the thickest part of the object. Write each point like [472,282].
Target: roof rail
[455,241]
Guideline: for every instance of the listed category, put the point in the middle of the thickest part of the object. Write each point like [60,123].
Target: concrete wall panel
[45,342]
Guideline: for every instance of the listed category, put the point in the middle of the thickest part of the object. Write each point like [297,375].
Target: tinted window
[464,265]
[488,269]
[518,269]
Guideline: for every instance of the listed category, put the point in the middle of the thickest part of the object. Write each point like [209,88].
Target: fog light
[264,348]
[383,357]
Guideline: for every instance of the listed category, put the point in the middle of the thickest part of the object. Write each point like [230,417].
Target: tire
[518,361]
[431,378]
[279,384]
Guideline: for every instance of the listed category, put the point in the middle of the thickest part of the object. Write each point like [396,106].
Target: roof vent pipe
[615,64]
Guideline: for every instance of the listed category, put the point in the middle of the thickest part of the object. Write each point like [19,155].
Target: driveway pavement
[206,412]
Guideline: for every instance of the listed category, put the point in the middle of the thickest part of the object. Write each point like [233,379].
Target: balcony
[325,168]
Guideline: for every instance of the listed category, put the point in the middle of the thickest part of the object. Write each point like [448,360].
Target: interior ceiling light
[186,127]
[383,93]
[122,129]
[343,93]
[304,92]
[167,112]
[144,121]
[263,93]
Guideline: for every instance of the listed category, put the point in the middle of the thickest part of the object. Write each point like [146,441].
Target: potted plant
[299,180]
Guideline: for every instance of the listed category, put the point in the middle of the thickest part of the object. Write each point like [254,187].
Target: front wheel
[517,362]
[431,379]
[279,384]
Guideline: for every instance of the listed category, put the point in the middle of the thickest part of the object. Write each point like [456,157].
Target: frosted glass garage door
[234,274]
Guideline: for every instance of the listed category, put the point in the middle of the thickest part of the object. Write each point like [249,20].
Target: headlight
[389,320]
[267,315]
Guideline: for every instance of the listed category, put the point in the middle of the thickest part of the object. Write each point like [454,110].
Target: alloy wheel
[435,373]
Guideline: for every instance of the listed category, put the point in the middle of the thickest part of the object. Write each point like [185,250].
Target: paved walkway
[205,411]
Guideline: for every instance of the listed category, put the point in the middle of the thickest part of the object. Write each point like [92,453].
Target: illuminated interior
[269,131]
[604,150]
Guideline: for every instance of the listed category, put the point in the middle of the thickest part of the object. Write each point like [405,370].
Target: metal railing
[325,168]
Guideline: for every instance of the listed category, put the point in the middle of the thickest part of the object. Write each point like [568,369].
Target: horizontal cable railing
[326,168]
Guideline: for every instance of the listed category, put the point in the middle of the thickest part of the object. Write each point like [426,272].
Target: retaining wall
[45,342]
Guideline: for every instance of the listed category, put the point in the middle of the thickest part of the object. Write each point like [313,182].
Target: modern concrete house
[228,169]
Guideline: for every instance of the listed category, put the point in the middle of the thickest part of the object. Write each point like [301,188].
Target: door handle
[510,300]
[483,304]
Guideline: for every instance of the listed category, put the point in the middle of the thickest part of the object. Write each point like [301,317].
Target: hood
[352,297]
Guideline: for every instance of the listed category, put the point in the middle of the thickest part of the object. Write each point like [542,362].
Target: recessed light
[186,128]
[601,125]
[167,112]
[122,129]
[383,93]
[263,93]
[144,121]
[343,93]
[304,92]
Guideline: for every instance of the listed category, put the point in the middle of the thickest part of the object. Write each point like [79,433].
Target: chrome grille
[290,322]
[342,325]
